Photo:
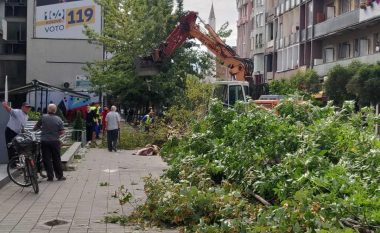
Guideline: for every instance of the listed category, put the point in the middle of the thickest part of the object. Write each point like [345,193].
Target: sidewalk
[80,200]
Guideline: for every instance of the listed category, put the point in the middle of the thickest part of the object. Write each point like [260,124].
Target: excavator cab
[229,92]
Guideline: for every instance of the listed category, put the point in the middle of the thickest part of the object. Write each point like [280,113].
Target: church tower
[212,23]
[211,18]
[220,71]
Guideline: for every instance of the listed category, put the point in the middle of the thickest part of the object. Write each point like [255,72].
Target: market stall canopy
[39,85]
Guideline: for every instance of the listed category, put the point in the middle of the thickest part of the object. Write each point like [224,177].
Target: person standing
[113,126]
[51,128]
[16,123]
[90,123]
[104,124]
[98,120]
[148,120]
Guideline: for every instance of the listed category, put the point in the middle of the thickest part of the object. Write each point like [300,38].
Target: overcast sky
[225,10]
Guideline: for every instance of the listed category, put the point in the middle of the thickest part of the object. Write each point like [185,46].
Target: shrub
[317,171]
[34,116]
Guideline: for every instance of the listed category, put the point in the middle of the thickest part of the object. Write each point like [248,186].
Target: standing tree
[338,78]
[365,85]
[303,83]
[132,28]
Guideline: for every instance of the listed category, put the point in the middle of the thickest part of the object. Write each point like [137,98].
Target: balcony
[242,20]
[323,69]
[335,24]
[270,43]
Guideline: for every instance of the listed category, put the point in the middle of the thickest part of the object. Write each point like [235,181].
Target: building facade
[43,40]
[318,34]
[244,27]
[57,54]
[257,38]
[13,29]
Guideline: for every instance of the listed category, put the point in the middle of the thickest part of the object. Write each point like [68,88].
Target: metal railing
[69,136]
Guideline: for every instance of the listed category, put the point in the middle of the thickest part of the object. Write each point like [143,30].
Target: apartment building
[44,40]
[244,27]
[318,34]
[13,15]
[257,38]
[345,31]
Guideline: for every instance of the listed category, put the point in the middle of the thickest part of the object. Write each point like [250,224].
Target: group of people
[105,121]
[94,121]
[51,127]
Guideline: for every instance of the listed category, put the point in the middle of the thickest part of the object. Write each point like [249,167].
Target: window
[376,43]
[220,93]
[269,63]
[356,48]
[15,11]
[330,12]
[270,31]
[16,31]
[344,50]
[235,94]
[295,56]
[12,48]
[16,71]
[310,14]
[284,59]
[329,55]
[345,6]
[361,47]
[259,20]
[259,3]
[279,60]
[259,40]
[290,58]
[280,31]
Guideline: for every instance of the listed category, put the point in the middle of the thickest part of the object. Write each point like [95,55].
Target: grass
[132,137]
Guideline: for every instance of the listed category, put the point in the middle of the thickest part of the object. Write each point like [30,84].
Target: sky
[225,10]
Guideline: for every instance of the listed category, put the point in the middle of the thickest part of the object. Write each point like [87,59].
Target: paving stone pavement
[80,200]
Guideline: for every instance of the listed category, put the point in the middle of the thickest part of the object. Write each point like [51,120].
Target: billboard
[65,19]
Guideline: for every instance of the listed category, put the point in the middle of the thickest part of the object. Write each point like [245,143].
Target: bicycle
[22,168]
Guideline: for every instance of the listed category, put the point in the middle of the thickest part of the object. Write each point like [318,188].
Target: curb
[4,181]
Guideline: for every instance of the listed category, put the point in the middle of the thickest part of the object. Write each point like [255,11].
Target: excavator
[240,69]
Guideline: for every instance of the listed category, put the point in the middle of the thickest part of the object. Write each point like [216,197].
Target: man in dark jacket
[51,129]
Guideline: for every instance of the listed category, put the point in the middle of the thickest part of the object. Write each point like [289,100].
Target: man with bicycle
[16,123]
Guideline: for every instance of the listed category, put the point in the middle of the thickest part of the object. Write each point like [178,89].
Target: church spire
[211,18]
[212,13]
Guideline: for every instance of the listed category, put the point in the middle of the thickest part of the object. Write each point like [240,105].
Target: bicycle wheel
[32,173]
[17,171]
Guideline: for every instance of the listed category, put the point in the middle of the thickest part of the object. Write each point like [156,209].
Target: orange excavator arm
[240,68]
